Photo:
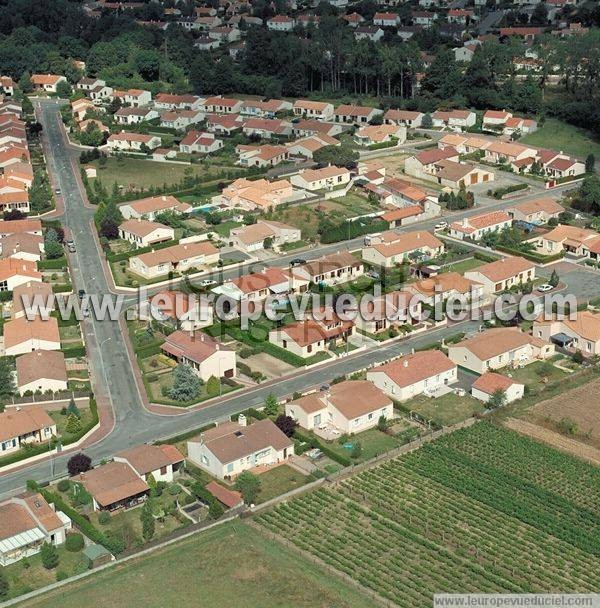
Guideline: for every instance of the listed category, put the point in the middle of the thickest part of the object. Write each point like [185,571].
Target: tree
[249,486]
[539,16]
[25,83]
[577,357]
[497,398]
[73,409]
[213,386]
[286,424]
[443,77]
[271,405]
[356,451]
[79,463]
[382,424]
[340,156]
[63,89]
[147,519]
[427,122]
[74,542]
[590,163]
[14,214]
[109,229]
[529,96]
[587,198]
[73,425]
[268,242]
[7,379]
[151,481]
[49,556]
[554,279]
[53,250]
[186,384]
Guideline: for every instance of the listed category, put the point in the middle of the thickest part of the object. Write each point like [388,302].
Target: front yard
[280,480]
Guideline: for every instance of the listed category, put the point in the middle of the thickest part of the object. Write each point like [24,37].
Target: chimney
[405,363]
[242,421]
[465,222]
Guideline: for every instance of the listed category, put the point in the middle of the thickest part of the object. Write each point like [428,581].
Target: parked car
[297,262]
[71,246]
[207,282]
[441,226]
[545,287]
[81,293]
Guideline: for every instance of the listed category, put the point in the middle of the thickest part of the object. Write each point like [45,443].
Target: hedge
[89,426]
[125,255]
[484,257]
[315,443]
[186,435]
[143,352]
[56,264]
[532,256]
[74,351]
[208,499]
[250,413]
[350,230]
[62,288]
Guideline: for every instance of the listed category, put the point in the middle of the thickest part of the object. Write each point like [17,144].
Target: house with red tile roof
[252,237]
[132,142]
[581,333]
[40,371]
[398,248]
[266,128]
[393,309]
[403,117]
[352,114]
[255,194]
[476,226]
[579,242]
[222,105]
[281,23]
[458,119]
[491,382]
[503,274]
[444,286]
[424,372]
[255,286]
[15,271]
[143,233]
[327,178]
[163,461]
[307,146]
[349,407]
[148,208]
[386,19]
[265,109]
[261,156]
[538,211]
[19,427]
[23,336]
[313,109]
[47,82]
[197,142]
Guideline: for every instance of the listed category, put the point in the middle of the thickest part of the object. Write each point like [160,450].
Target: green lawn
[61,423]
[463,266]
[133,173]
[278,481]
[373,443]
[446,410]
[559,135]
[229,567]
[532,375]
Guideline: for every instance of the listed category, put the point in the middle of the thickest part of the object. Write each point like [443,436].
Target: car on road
[86,311]
[81,293]
[70,246]
[297,262]
[57,190]
[207,282]
[545,287]
[441,226]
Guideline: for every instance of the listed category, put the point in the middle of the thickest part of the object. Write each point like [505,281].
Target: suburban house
[475,227]
[265,109]
[27,521]
[444,286]
[372,135]
[46,82]
[149,208]
[23,336]
[176,258]
[261,156]
[143,233]
[579,334]
[578,242]
[7,85]
[163,462]
[29,247]
[233,447]
[33,296]
[200,143]
[133,97]
[393,309]
[539,211]
[169,101]
[19,426]
[313,335]
[266,128]
[307,146]
[132,142]
[490,382]
[401,216]
[505,152]
[113,486]
[255,194]
[386,19]
[185,311]
[80,108]
[502,274]
[407,118]
[456,119]
[272,281]
[350,407]
[327,178]
[352,114]
[281,23]
[312,126]
[422,165]
[494,120]
[313,109]
[331,269]
[15,272]
[222,105]
[205,356]
[497,348]
[40,371]
[129,115]
[253,236]
[368,32]
[424,372]
[392,248]
[180,120]
[224,124]
[519,125]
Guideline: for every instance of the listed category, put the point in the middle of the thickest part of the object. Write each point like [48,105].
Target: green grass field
[278,481]
[446,410]
[230,566]
[558,135]
[135,173]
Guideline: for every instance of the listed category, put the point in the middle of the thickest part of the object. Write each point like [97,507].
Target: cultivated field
[481,510]
[229,567]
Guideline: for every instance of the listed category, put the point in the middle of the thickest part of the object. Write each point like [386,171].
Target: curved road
[112,376]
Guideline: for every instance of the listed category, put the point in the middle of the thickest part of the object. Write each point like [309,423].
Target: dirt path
[556,440]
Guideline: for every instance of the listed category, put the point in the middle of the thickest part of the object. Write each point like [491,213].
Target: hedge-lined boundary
[56,264]
[125,255]
[186,435]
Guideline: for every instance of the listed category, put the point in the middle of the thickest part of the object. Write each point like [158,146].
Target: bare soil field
[556,440]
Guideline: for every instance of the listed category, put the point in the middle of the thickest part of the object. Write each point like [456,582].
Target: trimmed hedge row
[215,508]
[56,264]
[74,351]
[315,443]
[186,435]
[62,288]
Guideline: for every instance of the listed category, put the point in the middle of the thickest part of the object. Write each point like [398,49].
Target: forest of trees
[328,61]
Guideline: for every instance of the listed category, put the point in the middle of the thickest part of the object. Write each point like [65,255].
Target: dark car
[297,262]
[81,293]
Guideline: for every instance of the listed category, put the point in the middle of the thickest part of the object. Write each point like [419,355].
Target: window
[163,470]
[230,467]
[204,459]
[370,416]
[317,420]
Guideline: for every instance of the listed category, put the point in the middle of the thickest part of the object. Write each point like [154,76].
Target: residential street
[112,375]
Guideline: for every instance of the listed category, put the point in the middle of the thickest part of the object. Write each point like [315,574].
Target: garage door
[485,177]
[474,178]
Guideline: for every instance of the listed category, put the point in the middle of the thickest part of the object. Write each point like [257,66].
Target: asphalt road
[108,356]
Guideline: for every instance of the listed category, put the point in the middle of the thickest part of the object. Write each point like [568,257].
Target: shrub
[104,518]
[61,575]
[74,542]
[174,489]
[49,556]
[63,485]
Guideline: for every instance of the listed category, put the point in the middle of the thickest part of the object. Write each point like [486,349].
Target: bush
[49,556]
[104,518]
[74,542]
[174,489]
[63,485]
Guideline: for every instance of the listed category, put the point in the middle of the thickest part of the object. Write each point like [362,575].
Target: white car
[441,226]
[207,282]
[544,288]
